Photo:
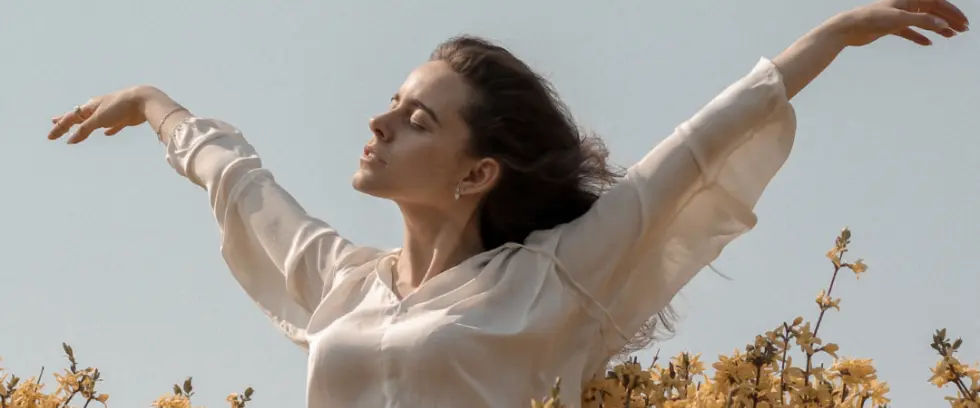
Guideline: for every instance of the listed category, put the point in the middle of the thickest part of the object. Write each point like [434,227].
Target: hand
[866,24]
[114,112]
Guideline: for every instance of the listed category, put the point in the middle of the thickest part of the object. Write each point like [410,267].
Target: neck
[435,240]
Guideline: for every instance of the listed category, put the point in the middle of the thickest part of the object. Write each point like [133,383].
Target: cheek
[425,164]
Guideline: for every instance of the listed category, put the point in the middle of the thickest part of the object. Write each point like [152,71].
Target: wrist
[147,95]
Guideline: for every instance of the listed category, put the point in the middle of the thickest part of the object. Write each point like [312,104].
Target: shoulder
[360,261]
[532,260]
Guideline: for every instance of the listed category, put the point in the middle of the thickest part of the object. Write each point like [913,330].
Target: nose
[378,127]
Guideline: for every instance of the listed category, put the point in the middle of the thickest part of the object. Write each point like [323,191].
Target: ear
[483,176]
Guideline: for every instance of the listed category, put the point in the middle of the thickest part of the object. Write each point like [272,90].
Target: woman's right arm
[284,258]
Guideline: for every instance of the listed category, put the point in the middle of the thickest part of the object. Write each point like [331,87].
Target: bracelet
[167,116]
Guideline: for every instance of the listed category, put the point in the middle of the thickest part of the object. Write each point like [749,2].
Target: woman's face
[418,152]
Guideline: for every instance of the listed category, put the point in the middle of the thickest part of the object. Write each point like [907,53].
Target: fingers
[914,36]
[943,9]
[938,16]
[84,130]
[64,122]
[947,32]
[952,14]
[77,116]
[928,21]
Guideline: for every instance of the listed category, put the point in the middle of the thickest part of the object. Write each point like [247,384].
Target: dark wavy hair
[552,171]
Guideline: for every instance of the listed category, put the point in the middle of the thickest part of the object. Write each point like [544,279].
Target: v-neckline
[386,274]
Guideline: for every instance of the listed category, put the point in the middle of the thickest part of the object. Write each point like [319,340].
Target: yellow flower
[858,267]
[696,366]
[946,371]
[876,391]
[826,302]
[805,338]
[854,371]
[172,401]
[830,349]
[67,383]
[688,365]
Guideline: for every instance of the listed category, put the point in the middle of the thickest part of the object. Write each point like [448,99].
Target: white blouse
[498,329]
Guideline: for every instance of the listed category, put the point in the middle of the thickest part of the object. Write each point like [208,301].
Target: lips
[371,155]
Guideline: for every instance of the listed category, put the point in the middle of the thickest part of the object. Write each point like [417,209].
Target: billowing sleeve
[678,207]
[285,259]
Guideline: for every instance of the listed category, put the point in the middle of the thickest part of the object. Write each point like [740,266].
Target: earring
[457,194]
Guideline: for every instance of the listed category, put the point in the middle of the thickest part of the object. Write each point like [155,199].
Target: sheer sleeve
[680,205]
[285,259]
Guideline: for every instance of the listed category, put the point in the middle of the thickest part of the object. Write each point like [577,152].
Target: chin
[367,183]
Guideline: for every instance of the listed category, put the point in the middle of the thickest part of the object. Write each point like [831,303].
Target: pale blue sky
[105,247]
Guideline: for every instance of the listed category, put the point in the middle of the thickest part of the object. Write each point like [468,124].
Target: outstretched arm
[284,258]
[695,192]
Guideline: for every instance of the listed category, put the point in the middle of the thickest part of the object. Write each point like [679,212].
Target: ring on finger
[77,110]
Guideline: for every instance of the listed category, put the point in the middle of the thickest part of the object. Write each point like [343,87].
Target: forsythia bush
[80,383]
[766,375]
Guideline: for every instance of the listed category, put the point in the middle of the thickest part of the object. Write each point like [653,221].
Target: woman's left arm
[696,191]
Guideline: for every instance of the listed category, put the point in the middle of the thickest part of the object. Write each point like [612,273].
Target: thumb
[113,130]
[926,21]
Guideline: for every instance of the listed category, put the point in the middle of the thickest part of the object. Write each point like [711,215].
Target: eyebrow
[420,105]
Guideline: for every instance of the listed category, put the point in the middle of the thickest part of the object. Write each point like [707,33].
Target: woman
[518,266]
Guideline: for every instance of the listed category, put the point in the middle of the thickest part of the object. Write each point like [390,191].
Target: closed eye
[418,105]
[416,124]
